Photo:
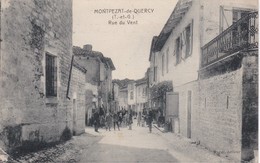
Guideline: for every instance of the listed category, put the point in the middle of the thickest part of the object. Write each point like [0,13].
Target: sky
[128,45]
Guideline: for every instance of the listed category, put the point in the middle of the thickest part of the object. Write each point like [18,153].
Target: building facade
[77,95]
[98,78]
[204,75]
[131,96]
[123,98]
[36,53]
[141,94]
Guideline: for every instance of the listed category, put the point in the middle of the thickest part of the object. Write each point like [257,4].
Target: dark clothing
[108,121]
[115,120]
[120,118]
[96,121]
[116,123]
[150,120]
[101,112]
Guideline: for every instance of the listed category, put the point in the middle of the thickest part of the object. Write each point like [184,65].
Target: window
[155,74]
[167,60]
[178,50]
[131,86]
[237,14]
[163,60]
[51,75]
[131,95]
[188,40]
[240,33]
[144,92]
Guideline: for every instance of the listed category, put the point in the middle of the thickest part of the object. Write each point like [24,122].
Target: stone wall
[29,29]
[92,77]
[224,107]
[78,98]
[92,65]
[183,107]
[220,101]
[250,105]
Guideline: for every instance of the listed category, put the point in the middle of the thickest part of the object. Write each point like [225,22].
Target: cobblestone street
[136,145]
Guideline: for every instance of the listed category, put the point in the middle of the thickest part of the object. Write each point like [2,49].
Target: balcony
[241,35]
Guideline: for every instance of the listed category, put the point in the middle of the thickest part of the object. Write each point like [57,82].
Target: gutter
[68,88]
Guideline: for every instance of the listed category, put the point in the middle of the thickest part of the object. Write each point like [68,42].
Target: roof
[77,51]
[152,46]
[141,81]
[122,83]
[77,65]
[110,63]
[179,11]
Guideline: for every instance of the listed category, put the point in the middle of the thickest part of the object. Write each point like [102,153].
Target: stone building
[115,94]
[35,59]
[106,84]
[98,78]
[211,78]
[141,94]
[123,97]
[77,95]
[131,95]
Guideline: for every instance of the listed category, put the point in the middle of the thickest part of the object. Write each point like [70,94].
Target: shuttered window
[51,75]
[188,40]
[178,50]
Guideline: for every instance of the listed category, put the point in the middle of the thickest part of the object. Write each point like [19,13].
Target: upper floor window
[51,75]
[131,95]
[188,40]
[178,49]
[238,14]
[155,74]
[167,60]
[229,15]
[131,86]
[163,66]
[144,92]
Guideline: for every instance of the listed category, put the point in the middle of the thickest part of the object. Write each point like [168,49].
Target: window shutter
[191,37]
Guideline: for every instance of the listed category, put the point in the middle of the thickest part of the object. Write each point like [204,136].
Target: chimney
[87,47]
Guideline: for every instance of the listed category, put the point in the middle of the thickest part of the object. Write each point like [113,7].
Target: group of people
[101,118]
[109,119]
[146,117]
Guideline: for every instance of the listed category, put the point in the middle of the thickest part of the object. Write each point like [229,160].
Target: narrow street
[136,145]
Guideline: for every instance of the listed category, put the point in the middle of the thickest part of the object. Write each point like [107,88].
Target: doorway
[74,117]
[189,115]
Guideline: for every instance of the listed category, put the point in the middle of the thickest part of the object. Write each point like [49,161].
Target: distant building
[131,95]
[205,50]
[35,61]
[123,98]
[115,96]
[121,93]
[141,94]
[98,78]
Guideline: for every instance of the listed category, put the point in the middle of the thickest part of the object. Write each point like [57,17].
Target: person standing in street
[96,120]
[115,121]
[150,120]
[108,120]
[120,116]
[139,119]
[130,119]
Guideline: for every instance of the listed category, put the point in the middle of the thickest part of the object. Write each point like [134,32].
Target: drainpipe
[68,88]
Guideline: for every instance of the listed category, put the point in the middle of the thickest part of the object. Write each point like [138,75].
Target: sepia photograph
[129,81]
